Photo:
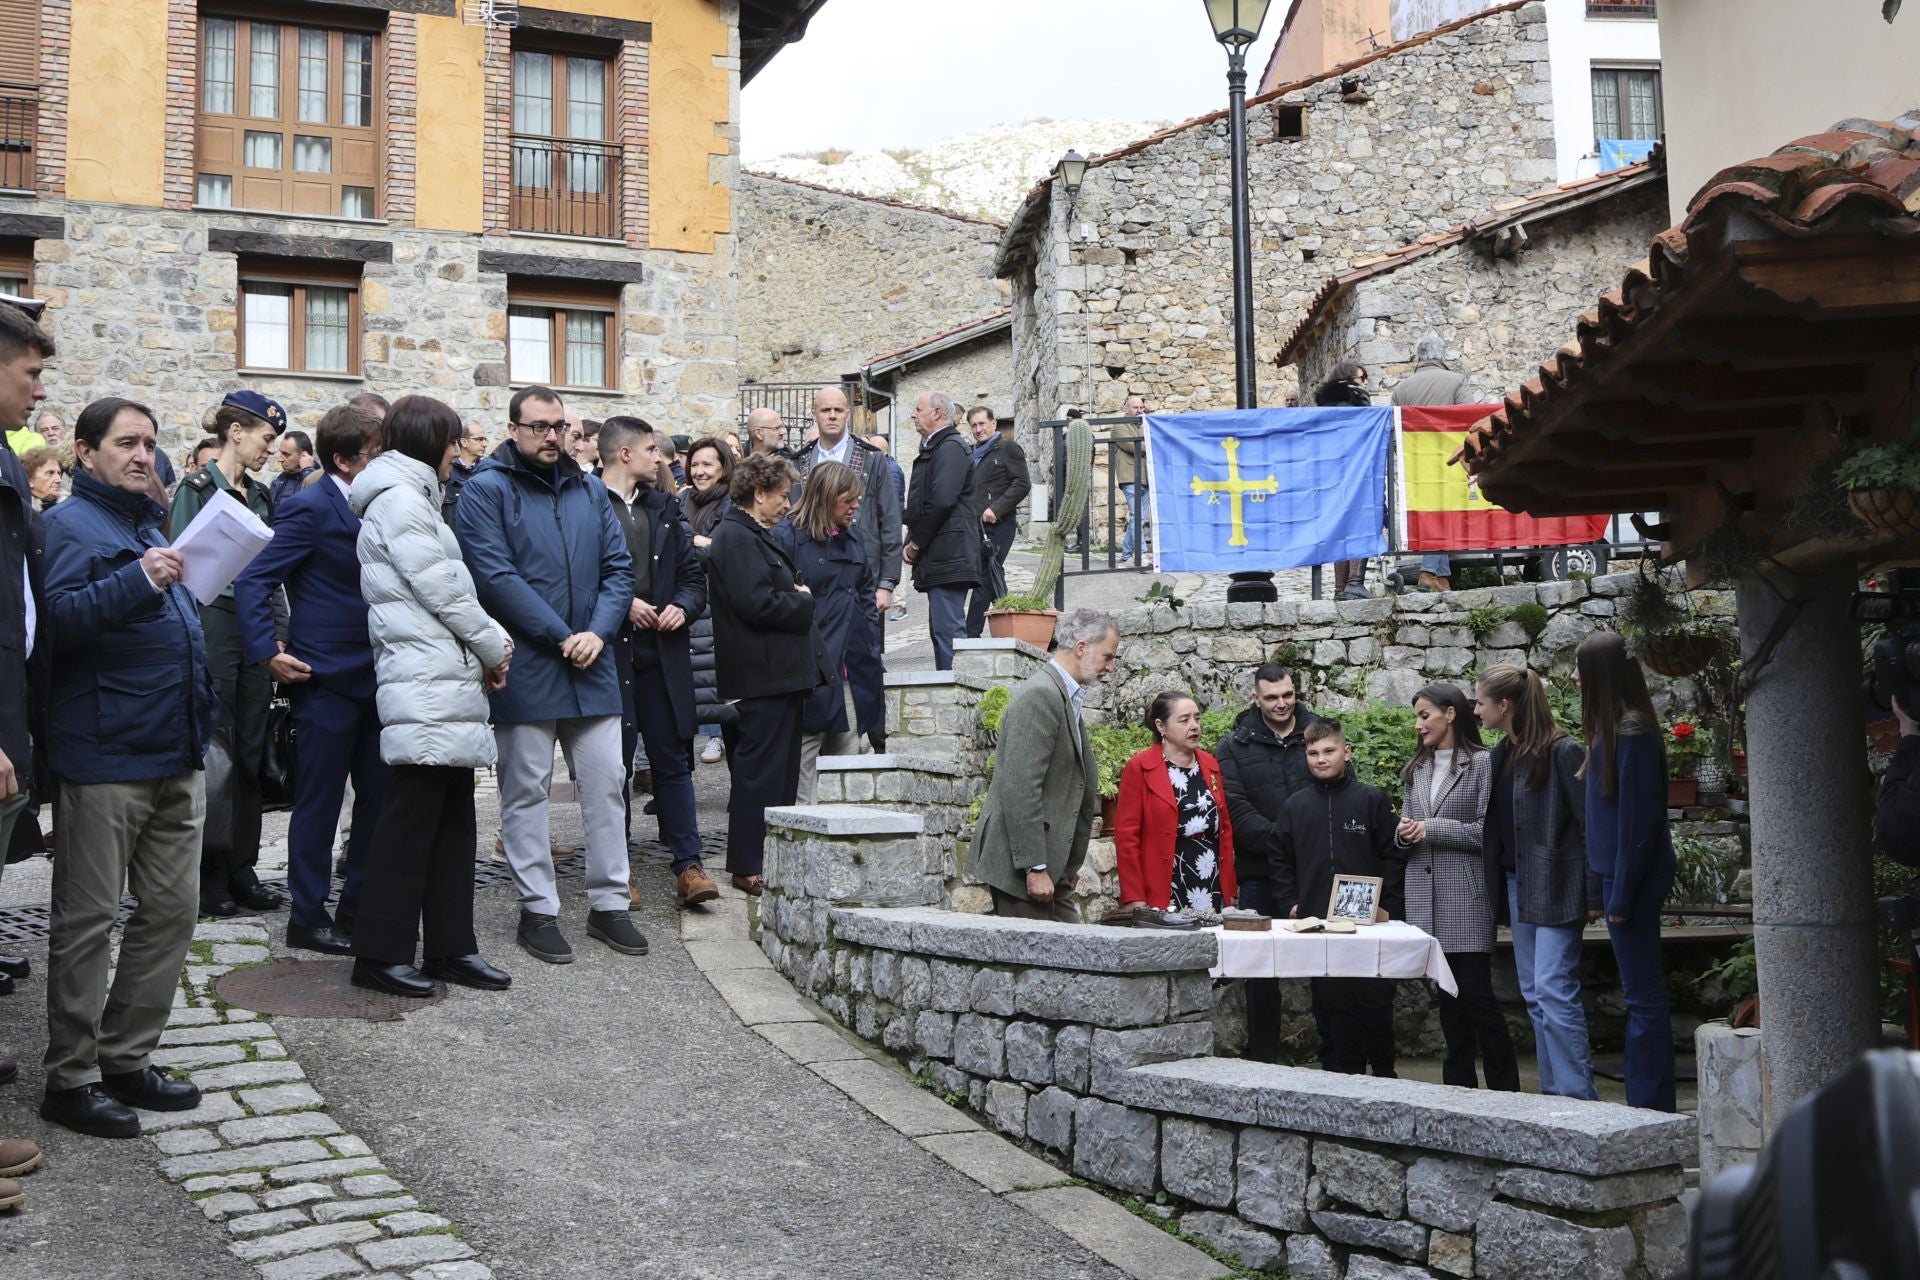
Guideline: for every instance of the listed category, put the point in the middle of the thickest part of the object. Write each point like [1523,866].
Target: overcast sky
[903,73]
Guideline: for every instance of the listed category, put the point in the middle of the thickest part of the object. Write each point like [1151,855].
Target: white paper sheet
[222,540]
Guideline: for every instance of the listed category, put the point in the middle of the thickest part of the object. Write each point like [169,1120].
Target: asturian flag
[1253,489]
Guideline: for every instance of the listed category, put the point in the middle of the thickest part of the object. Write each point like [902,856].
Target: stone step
[1002,661]
[894,761]
[920,781]
[845,820]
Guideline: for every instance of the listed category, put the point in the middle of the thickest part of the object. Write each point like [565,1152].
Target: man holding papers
[327,668]
[245,423]
[131,717]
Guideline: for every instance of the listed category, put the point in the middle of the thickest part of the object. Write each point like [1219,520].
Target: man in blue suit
[327,666]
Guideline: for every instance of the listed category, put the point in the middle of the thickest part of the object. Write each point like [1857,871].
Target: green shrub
[1532,617]
[1382,737]
[1023,603]
[1482,620]
[993,708]
[1113,746]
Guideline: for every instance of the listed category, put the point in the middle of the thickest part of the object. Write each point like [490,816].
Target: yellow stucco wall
[449,178]
[116,124]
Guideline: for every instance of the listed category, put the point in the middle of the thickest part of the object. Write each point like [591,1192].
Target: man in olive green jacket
[1040,807]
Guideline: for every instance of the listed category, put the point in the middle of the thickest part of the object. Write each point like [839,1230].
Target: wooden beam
[1785,342]
[1592,449]
[1863,275]
[1719,386]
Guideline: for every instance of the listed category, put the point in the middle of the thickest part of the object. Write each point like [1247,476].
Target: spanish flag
[1439,506]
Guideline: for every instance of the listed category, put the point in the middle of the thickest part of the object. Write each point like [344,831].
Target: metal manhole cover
[315,989]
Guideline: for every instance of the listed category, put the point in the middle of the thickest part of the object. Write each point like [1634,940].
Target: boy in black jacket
[1341,826]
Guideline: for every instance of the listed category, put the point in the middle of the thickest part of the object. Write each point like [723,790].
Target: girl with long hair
[1444,813]
[1630,849]
[1536,866]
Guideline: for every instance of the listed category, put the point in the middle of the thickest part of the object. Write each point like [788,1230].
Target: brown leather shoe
[10,1194]
[755,885]
[695,885]
[18,1156]
[1433,582]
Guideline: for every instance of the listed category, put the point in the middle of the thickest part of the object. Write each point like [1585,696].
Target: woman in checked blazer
[1447,785]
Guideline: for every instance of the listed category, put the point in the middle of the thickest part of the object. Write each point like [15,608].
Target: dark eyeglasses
[542,428]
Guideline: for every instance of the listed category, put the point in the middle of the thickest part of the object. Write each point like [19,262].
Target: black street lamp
[1236,25]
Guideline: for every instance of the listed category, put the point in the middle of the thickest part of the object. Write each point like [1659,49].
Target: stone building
[1496,289]
[1410,141]
[830,280]
[972,362]
[382,195]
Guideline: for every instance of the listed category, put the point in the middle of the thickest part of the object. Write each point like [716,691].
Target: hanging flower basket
[1678,653]
[1895,512]
[1034,627]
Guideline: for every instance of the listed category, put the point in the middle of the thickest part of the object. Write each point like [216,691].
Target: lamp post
[1072,171]
[1236,25]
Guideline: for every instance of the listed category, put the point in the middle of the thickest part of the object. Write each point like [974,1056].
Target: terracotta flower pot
[1020,624]
[1682,792]
[1109,809]
[1674,656]
[1890,511]
[1884,736]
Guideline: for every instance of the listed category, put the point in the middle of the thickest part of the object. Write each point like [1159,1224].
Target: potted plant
[1882,484]
[1666,634]
[1113,746]
[1029,615]
[1683,750]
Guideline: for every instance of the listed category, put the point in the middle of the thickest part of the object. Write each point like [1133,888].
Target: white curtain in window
[356,84]
[356,202]
[15,285]
[313,75]
[312,155]
[328,329]
[269,325]
[529,344]
[216,71]
[586,349]
[586,98]
[532,93]
[264,71]
[215,191]
[1643,104]
[262,150]
[1606,105]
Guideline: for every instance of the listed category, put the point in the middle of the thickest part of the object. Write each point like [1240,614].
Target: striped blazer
[1446,872]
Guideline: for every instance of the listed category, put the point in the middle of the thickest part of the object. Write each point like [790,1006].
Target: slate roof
[914,352]
[880,200]
[1860,177]
[1032,211]
[1532,207]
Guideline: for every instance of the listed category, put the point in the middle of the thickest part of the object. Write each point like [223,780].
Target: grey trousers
[815,745]
[593,748]
[145,835]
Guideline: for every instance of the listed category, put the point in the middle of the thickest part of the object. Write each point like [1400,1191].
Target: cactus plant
[1073,505]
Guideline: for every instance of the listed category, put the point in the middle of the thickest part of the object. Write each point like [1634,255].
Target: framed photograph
[1355,898]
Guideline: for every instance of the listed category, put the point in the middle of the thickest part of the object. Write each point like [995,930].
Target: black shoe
[257,897]
[331,939]
[540,937]
[15,966]
[394,979]
[616,929]
[89,1110]
[643,781]
[6,984]
[219,908]
[468,971]
[651,807]
[8,1070]
[151,1090]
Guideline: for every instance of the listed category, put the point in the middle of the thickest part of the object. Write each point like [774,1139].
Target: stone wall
[829,280]
[1496,315]
[1405,145]
[140,306]
[979,373]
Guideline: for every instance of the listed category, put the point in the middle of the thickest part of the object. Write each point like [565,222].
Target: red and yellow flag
[1441,508]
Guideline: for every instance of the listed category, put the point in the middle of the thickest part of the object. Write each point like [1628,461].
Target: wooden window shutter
[20,50]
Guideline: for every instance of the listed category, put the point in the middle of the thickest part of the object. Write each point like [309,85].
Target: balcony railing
[566,186]
[19,125]
[1621,8]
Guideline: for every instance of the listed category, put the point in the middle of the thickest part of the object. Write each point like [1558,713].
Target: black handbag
[280,761]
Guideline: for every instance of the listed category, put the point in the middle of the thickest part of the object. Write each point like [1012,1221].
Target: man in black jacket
[943,534]
[1263,762]
[1339,825]
[1000,484]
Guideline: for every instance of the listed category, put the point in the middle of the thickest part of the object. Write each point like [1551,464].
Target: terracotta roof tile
[1861,176]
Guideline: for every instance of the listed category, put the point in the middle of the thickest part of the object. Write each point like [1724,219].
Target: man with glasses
[473,447]
[326,667]
[551,564]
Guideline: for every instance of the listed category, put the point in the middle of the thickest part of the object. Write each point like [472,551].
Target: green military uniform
[230,847]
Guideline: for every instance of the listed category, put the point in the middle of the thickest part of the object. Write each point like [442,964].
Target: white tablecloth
[1392,950]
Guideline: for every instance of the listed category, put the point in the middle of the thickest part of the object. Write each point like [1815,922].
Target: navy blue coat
[312,554]
[842,582]
[1628,844]
[677,578]
[548,560]
[132,697]
[22,676]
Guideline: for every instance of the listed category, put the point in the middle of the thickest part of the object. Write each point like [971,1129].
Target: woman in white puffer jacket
[437,655]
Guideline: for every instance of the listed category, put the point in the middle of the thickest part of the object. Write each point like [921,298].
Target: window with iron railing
[19,92]
[1621,9]
[566,167]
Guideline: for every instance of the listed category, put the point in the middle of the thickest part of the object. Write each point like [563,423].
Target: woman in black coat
[768,656]
[830,559]
[1347,388]
[709,467]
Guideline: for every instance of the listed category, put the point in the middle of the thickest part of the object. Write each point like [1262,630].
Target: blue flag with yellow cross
[1249,489]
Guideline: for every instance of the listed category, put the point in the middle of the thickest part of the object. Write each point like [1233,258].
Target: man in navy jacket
[131,716]
[550,563]
[327,668]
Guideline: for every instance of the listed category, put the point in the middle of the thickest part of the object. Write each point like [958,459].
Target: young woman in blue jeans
[1536,854]
[1629,848]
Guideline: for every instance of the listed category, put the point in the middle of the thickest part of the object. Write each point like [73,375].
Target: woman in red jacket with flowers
[1171,831]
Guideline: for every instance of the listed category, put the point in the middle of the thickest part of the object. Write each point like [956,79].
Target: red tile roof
[971,329]
[1531,207]
[1863,176]
[892,204]
[1029,215]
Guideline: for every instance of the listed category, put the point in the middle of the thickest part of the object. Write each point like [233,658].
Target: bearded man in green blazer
[1041,804]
